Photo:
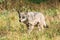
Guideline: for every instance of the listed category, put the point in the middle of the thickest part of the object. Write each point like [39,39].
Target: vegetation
[12,29]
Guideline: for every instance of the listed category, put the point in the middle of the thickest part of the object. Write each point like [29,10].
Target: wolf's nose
[19,20]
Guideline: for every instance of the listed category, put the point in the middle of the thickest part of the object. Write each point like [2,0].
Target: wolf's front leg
[31,27]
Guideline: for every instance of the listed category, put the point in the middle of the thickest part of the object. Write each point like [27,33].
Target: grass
[36,2]
[12,29]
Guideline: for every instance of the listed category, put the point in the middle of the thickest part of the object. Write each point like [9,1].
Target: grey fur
[33,18]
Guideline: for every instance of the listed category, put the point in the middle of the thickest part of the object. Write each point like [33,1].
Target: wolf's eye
[23,17]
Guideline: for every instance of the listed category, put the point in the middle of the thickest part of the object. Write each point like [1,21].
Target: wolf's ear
[26,12]
[19,14]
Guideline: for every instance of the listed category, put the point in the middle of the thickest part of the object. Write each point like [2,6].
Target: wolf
[33,18]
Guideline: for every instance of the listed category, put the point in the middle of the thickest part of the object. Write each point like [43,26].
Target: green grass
[36,1]
[12,29]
